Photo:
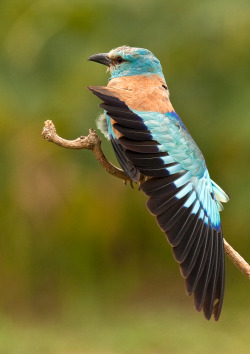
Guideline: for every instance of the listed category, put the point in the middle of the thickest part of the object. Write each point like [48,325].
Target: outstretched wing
[180,192]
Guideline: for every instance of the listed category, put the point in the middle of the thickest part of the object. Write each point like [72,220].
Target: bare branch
[93,142]
[90,142]
[237,260]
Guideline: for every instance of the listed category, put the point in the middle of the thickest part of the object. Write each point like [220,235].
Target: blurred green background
[83,266]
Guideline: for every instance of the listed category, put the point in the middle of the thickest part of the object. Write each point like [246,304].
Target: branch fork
[93,142]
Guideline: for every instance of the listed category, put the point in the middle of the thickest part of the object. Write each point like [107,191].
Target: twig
[93,142]
[90,142]
[237,260]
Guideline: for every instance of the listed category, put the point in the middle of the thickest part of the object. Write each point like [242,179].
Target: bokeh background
[83,266]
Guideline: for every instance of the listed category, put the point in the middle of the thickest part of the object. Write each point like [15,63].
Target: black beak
[101,58]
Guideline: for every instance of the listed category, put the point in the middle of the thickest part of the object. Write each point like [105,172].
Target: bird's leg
[141,180]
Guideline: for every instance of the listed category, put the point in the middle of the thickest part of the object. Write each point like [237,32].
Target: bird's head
[129,61]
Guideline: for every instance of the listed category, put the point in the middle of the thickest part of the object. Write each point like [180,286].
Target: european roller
[150,140]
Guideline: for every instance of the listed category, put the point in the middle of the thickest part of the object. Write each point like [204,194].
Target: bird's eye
[119,60]
[165,87]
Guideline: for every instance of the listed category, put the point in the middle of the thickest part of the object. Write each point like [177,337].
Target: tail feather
[220,195]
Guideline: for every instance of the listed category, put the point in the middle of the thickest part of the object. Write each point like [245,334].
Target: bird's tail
[221,196]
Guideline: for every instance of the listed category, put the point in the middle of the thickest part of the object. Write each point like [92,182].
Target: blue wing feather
[174,138]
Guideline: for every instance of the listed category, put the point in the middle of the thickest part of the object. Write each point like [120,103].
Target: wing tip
[214,313]
[91,88]
[96,89]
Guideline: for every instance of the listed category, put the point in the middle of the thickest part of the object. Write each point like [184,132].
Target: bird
[152,145]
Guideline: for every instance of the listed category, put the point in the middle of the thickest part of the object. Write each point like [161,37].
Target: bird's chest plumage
[142,93]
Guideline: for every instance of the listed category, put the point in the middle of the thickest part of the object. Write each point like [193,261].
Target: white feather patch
[102,125]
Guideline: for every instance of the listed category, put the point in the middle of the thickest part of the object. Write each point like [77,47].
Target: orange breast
[142,93]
